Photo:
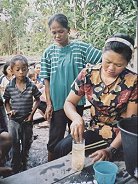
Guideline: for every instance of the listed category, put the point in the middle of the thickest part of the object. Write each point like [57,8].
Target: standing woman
[61,62]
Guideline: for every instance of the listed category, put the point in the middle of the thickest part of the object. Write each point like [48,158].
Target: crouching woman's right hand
[77,129]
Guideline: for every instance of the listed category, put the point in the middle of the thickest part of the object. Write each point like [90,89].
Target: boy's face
[20,70]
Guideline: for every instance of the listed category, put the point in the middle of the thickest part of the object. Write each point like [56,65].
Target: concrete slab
[44,174]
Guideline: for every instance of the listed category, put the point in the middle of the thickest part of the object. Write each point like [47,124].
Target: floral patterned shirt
[107,102]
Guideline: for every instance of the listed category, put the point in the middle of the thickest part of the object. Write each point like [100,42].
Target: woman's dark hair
[119,47]
[6,65]
[18,58]
[61,19]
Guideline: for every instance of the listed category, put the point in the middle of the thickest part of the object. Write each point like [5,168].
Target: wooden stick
[93,144]
[96,146]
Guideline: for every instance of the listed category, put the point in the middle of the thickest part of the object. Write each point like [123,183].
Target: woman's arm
[77,125]
[132,109]
[49,108]
[104,153]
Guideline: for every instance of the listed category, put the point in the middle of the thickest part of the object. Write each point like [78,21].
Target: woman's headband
[117,39]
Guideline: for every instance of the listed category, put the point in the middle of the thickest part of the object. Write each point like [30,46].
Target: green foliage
[25,26]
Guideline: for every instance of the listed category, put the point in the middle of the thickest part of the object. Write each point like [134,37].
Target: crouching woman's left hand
[99,155]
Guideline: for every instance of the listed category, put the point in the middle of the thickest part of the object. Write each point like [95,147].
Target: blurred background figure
[5,142]
[42,106]
[37,70]
[7,76]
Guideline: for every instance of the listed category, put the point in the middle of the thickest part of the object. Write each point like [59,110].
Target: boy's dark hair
[61,19]
[119,47]
[6,65]
[18,58]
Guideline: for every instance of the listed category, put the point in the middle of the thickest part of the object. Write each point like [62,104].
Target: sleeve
[36,92]
[45,65]
[7,95]
[93,55]
[78,84]
[134,93]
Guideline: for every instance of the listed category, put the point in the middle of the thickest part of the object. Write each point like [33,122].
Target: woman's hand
[99,155]
[48,113]
[77,129]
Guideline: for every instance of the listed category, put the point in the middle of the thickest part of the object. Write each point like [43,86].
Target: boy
[18,96]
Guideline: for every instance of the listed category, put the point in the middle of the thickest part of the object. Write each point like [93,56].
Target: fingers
[48,114]
[77,133]
[99,155]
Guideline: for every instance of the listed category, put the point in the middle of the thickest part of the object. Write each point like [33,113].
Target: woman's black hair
[6,65]
[61,19]
[119,47]
[18,58]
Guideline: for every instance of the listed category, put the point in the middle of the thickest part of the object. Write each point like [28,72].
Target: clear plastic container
[78,155]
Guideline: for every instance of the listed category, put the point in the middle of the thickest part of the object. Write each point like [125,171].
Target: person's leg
[56,131]
[63,147]
[14,131]
[26,140]
[42,107]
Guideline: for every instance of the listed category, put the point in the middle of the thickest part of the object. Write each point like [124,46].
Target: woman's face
[60,34]
[113,63]
[37,68]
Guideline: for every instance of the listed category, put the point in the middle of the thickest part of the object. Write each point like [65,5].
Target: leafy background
[23,23]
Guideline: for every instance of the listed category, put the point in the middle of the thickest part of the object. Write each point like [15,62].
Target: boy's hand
[29,118]
[11,113]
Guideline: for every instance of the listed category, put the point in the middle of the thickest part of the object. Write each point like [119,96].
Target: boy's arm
[7,106]
[35,106]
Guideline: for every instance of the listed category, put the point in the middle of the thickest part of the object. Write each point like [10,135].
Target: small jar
[78,155]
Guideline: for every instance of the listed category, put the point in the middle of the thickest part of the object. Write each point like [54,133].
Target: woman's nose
[111,67]
[57,35]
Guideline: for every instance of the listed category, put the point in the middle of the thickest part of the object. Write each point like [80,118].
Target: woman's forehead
[56,25]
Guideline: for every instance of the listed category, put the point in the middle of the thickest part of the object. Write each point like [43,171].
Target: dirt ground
[38,151]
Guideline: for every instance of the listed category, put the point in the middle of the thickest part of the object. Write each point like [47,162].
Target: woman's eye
[108,62]
[61,31]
